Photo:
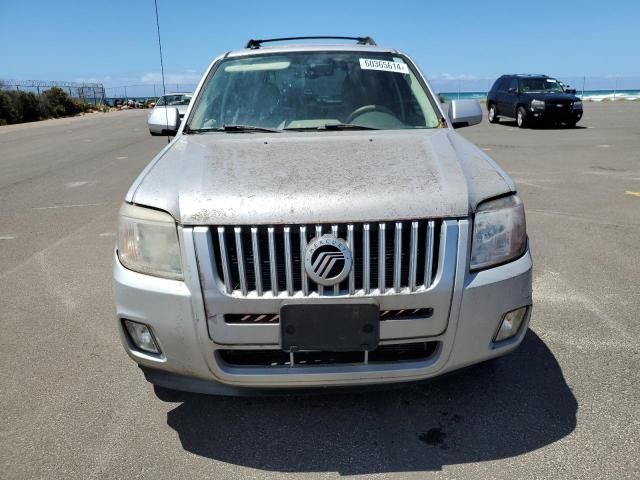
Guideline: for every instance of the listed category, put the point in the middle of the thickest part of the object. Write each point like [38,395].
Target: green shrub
[56,103]
[17,106]
[9,112]
[30,107]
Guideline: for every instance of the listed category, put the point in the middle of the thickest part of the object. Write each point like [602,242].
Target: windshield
[313,90]
[174,100]
[545,85]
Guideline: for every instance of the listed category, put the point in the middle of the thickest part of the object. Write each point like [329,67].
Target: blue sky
[472,41]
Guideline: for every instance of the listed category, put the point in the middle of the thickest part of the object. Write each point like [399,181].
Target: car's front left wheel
[521,117]
[493,115]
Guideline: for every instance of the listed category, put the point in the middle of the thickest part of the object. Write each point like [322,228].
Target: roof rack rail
[254,44]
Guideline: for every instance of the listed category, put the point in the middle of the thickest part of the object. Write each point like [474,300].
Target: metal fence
[93,93]
[145,91]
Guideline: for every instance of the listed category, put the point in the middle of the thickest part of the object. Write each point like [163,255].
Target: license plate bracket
[330,326]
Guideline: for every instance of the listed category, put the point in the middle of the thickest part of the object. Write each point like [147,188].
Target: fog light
[511,323]
[141,336]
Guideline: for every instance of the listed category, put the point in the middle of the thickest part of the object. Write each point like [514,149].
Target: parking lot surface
[565,405]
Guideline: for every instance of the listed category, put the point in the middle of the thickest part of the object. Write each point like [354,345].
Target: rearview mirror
[164,121]
[464,113]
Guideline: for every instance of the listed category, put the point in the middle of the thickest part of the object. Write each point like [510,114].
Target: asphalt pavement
[564,405]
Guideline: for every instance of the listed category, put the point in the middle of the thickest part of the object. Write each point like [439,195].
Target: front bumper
[565,114]
[176,313]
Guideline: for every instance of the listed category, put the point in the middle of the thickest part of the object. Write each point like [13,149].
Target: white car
[164,108]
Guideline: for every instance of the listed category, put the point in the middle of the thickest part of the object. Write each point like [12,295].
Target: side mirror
[464,113]
[572,91]
[164,120]
[513,90]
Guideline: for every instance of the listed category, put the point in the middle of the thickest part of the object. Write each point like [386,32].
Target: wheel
[154,134]
[571,124]
[521,117]
[493,115]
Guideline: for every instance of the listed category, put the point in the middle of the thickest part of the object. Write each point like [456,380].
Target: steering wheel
[367,109]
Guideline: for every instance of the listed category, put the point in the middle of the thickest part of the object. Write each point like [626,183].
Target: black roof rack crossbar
[360,40]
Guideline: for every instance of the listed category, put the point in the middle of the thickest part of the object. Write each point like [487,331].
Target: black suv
[533,98]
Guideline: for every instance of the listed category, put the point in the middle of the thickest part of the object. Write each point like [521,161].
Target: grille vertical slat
[273,265]
[253,260]
[352,246]
[255,249]
[334,232]
[367,258]
[397,257]
[318,235]
[413,256]
[240,255]
[428,267]
[287,260]
[381,257]
[226,275]
[303,273]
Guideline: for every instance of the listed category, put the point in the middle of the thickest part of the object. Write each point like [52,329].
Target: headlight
[577,105]
[148,242]
[537,104]
[499,232]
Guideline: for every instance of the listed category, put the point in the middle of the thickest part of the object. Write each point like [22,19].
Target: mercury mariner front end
[291,306]
[317,222]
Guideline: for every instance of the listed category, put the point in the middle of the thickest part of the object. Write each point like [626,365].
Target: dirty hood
[318,177]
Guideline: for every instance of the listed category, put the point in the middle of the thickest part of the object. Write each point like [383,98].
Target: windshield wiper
[233,128]
[248,128]
[334,126]
[346,126]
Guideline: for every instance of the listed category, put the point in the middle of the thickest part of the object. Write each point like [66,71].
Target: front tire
[521,117]
[493,115]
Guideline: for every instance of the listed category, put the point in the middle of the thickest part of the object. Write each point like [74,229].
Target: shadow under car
[494,410]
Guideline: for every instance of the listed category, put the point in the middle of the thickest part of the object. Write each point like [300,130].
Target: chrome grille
[388,257]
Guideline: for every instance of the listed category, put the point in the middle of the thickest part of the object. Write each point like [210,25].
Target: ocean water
[589,95]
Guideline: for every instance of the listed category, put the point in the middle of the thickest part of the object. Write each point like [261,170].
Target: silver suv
[318,222]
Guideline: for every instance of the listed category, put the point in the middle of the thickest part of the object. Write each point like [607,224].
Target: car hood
[318,177]
[551,97]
